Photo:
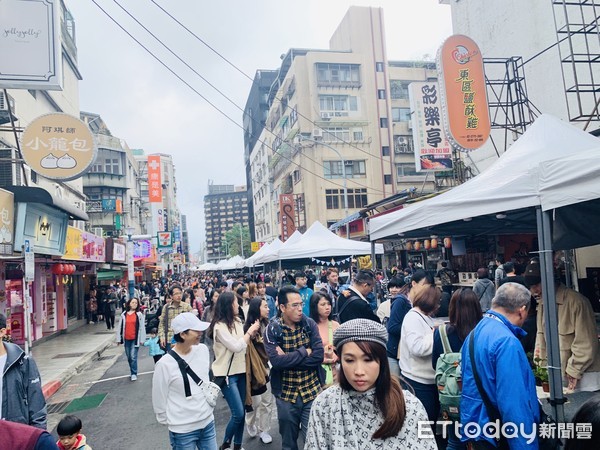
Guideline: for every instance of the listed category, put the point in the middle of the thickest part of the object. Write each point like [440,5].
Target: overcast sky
[147,106]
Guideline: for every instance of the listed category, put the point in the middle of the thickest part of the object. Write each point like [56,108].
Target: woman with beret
[367,409]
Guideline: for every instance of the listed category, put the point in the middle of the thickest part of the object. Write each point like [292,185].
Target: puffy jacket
[22,397]
[506,378]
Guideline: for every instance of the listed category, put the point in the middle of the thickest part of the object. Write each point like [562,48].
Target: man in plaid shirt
[296,353]
[169,312]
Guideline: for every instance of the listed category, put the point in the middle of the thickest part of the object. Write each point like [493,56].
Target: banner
[7,226]
[432,149]
[463,92]
[286,216]
[331,262]
[154,179]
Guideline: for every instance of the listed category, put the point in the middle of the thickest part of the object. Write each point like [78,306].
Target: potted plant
[541,373]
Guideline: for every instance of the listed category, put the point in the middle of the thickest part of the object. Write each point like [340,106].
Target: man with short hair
[484,289]
[171,310]
[355,305]
[499,273]
[445,275]
[295,350]
[21,397]
[332,287]
[511,274]
[305,292]
[504,373]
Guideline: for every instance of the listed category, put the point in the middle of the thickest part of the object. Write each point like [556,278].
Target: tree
[235,237]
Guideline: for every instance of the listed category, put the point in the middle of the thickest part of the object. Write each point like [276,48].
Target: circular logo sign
[58,146]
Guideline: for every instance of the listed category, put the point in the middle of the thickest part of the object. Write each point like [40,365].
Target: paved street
[125,418]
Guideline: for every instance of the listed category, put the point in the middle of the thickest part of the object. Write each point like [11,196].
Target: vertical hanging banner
[432,149]
[154,179]
[286,216]
[463,93]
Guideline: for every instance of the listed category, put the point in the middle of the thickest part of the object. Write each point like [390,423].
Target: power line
[202,96]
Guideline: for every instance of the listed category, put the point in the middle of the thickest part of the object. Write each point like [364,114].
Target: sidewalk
[60,358]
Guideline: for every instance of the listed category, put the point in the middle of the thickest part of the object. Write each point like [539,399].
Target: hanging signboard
[7,214]
[286,216]
[165,239]
[58,146]
[154,179]
[432,149]
[31,34]
[463,93]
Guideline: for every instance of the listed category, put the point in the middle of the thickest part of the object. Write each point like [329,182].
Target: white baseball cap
[188,321]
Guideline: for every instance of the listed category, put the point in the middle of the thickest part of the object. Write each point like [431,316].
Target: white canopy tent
[274,254]
[318,241]
[230,264]
[510,184]
[251,261]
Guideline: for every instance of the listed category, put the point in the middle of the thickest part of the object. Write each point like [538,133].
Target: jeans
[394,367]
[131,351]
[235,395]
[428,395]
[202,439]
[293,418]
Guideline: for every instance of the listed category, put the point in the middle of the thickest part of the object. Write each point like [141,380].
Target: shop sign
[463,93]
[165,239]
[432,149]
[286,214]
[142,249]
[31,30]
[44,226]
[7,217]
[256,246]
[118,254]
[58,146]
[74,244]
[93,248]
[154,179]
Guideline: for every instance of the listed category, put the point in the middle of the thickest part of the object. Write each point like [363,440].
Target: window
[337,105]
[357,134]
[381,94]
[399,89]
[406,170]
[339,74]
[332,134]
[335,169]
[387,179]
[334,198]
[111,165]
[383,122]
[385,150]
[401,114]
[293,117]
[403,144]
[379,67]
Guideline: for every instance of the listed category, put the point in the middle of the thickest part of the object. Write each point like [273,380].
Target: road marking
[116,378]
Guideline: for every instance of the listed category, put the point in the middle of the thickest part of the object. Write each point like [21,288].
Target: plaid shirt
[294,382]
[170,312]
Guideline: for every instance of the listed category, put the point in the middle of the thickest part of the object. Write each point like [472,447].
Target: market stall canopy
[509,185]
[273,247]
[571,186]
[251,261]
[318,241]
[208,266]
[230,264]
[274,254]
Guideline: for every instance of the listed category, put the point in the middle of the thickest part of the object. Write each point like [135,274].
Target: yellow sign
[255,246]
[74,244]
[58,146]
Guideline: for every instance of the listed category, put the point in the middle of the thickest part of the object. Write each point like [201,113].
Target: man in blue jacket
[505,374]
[295,350]
[21,397]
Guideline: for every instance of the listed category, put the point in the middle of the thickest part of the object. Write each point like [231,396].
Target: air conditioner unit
[348,163]
[98,231]
[4,104]
[410,124]
[317,133]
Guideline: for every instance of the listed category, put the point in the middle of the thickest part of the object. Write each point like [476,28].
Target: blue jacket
[400,306]
[505,375]
[22,397]
[272,307]
[154,347]
[298,359]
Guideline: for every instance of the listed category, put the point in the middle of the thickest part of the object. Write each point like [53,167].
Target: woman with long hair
[465,313]
[416,346]
[258,390]
[243,297]
[229,367]
[261,287]
[252,290]
[367,409]
[132,333]
[320,311]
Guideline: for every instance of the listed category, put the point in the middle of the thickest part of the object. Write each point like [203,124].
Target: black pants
[110,319]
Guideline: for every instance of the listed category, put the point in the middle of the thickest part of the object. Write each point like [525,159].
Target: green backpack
[448,379]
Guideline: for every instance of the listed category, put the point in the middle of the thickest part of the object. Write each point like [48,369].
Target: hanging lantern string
[331,262]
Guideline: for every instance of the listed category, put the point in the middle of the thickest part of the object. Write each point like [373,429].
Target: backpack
[448,378]
[338,311]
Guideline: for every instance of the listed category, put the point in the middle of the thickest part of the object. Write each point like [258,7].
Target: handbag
[223,381]
[210,390]
[545,443]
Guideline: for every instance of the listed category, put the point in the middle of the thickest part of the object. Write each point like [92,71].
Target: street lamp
[130,275]
[241,239]
[304,138]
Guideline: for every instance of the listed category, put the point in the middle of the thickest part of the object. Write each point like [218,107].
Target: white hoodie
[172,408]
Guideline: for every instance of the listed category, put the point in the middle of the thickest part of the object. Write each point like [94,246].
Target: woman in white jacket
[190,420]
[132,333]
[416,345]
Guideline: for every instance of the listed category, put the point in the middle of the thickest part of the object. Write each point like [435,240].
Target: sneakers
[265,437]
[252,430]
[133,377]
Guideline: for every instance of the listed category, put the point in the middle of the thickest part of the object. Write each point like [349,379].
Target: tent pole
[550,315]
[280,281]
[373,260]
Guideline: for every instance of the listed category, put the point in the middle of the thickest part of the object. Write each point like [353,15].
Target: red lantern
[55,269]
[61,269]
[72,269]
[448,242]
[427,244]
[434,243]
[409,245]
[417,245]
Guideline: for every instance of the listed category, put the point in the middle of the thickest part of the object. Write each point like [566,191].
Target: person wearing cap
[367,409]
[305,292]
[190,420]
[577,334]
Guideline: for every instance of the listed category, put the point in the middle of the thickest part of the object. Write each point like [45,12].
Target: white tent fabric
[273,247]
[293,239]
[511,183]
[230,264]
[569,180]
[208,266]
[251,261]
[318,241]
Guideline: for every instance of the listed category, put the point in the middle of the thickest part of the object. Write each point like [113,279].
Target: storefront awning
[109,275]
[29,194]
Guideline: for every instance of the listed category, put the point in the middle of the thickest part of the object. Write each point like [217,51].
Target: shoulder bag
[210,390]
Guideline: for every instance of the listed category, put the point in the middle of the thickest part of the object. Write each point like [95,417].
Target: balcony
[102,179]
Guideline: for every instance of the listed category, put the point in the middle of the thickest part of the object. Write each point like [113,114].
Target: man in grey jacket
[484,289]
[21,396]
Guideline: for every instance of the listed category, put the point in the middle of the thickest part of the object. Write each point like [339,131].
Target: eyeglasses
[296,305]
